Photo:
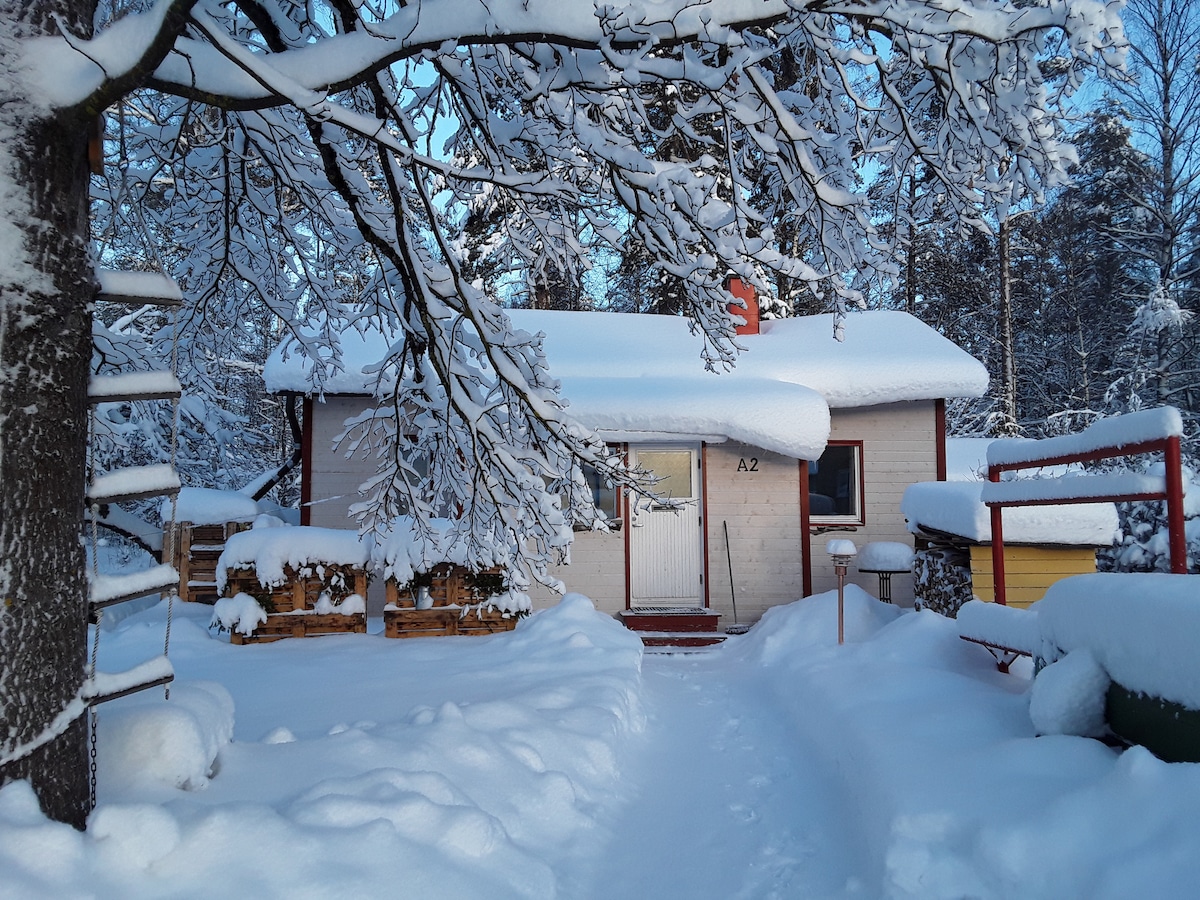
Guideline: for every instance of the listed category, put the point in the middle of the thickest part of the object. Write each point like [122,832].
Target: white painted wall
[597,569]
[335,478]
[899,448]
[761,507]
[757,494]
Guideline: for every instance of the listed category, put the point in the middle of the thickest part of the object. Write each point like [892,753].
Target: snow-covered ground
[560,761]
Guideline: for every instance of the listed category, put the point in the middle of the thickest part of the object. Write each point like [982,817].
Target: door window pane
[673,468]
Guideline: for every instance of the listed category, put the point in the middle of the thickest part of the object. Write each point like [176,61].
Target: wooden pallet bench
[457,600]
[290,606]
[298,625]
[1004,656]
[450,585]
[1006,632]
[445,620]
[299,590]
[197,549]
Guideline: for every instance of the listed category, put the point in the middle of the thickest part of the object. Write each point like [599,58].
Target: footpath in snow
[726,798]
[558,762]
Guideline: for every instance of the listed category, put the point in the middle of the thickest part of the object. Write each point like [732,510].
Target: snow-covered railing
[1148,431]
[1006,632]
[1103,439]
[1114,487]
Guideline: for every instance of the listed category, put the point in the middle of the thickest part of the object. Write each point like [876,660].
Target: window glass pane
[833,483]
[673,469]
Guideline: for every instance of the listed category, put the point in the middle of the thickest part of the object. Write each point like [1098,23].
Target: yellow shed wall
[1028,571]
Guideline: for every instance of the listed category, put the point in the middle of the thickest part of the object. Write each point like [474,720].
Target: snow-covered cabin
[806,438]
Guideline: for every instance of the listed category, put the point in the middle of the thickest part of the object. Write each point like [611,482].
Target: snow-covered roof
[206,506]
[630,375]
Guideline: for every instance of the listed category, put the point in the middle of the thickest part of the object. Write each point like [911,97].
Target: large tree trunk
[45,345]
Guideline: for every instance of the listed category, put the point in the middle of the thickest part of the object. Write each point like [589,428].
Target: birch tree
[303,138]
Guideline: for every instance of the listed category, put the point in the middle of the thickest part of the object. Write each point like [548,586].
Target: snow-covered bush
[410,549]
[1144,536]
[241,613]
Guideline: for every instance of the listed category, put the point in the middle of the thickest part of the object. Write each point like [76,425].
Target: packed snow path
[725,798]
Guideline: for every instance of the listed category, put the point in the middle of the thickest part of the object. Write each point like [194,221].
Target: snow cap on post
[841,547]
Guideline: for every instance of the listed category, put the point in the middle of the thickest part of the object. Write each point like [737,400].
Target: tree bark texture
[45,349]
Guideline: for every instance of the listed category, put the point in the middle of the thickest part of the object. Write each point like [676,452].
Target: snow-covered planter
[431,589]
[240,613]
[447,585]
[451,599]
[306,581]
[1141,630]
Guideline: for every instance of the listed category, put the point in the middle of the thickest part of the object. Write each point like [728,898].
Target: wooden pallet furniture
[457,600]
[441,621]
[290,606]
[298,625]
[1007,633]
[197,549]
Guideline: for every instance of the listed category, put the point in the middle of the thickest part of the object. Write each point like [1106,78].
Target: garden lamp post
[841,551]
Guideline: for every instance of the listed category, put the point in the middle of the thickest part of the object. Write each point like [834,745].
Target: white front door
[665,543]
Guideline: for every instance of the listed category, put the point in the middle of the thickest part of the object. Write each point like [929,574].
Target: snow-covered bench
[1007,632]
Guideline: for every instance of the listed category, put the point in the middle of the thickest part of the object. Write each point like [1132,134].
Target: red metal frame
[626,524]
[1172,457]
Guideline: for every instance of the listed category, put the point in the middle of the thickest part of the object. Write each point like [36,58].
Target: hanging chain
[92,719]
[95,571]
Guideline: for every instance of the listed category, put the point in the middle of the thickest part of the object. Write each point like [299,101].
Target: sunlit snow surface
[558,761]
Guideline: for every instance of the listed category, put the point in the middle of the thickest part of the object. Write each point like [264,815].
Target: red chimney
[745,292]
